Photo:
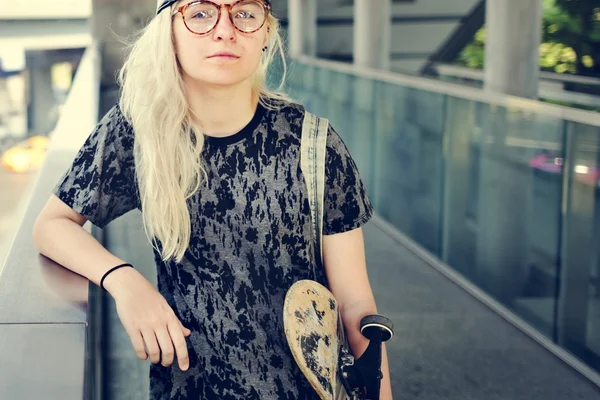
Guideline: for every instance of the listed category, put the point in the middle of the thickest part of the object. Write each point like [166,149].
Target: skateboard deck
[310,316]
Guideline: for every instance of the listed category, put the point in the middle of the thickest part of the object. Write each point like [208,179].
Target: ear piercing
[264,49]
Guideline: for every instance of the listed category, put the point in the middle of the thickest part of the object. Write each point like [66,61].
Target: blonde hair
[168,143]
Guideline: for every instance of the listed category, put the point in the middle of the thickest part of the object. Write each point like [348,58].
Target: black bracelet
[111,270]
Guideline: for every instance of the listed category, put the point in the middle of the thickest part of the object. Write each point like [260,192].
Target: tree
[571,39]
[582,33]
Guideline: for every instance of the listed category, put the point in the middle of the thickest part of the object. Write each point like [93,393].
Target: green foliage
[473,55]
[571,39]
[558,58]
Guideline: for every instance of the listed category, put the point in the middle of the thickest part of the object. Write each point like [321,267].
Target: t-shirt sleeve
[100,184]
[347,205]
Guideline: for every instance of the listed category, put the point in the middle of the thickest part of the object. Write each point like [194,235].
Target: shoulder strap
[312,163]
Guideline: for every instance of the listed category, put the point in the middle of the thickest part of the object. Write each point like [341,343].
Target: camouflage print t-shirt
[251,240]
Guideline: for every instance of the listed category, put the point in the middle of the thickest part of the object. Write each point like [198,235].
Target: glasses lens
[248,16]
[201,17]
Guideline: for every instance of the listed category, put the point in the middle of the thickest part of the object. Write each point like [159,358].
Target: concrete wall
[18,35]
[419,29]
[45,9]
[333,9]
[27,28]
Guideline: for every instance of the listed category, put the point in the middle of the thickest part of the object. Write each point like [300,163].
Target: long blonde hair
[168,143]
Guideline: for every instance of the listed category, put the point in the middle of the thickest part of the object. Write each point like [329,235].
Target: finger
[180,345]
[166,346]
[185,330]
[138,345]
[151,345]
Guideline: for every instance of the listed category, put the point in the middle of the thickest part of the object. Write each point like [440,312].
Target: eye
[201,12]
[201,15]
[245,15]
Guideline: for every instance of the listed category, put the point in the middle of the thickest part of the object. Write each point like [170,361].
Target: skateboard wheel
[373,324]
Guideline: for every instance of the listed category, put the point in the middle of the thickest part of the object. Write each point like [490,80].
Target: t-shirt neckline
[244,133]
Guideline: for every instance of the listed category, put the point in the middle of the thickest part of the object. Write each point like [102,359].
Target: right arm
[58,234]
[99,187]
[151,324]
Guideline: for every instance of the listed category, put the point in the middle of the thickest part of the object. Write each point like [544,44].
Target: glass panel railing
[502,203]
[578,314]
[479,181]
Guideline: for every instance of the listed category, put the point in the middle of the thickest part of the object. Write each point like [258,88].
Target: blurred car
[585,170]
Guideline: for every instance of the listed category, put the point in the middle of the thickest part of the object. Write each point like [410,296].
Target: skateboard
[316,338]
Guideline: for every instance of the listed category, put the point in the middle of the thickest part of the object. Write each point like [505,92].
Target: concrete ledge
[44,314]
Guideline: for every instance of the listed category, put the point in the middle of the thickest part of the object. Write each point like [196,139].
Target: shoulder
[294,113]
[285,112]
[288,117]
[116,119]
[114,128]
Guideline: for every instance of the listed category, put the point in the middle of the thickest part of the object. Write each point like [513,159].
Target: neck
[222,111]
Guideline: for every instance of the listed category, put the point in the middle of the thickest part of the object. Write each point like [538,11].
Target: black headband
[167,3]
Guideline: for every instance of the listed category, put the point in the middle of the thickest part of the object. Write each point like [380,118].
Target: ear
[266,41]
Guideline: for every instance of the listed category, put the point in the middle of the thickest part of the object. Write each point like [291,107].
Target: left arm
[345,265]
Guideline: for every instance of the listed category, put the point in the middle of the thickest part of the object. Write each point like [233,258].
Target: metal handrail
[472,73]
[459,91]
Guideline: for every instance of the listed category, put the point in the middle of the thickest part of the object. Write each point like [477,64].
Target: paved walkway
[448,346]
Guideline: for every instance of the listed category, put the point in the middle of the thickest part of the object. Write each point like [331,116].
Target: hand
[151,324]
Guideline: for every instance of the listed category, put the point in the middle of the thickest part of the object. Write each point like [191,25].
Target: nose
[224,29]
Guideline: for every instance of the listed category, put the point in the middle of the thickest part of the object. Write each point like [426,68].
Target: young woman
[211,157]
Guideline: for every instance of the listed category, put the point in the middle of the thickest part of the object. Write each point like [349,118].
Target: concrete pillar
[372,33]
[504,193]
[310,27]
[121,18]
[302,27]
[6,103]
[295,27]
[42,107]
[513,37]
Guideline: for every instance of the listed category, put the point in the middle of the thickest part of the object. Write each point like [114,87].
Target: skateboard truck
[362,377]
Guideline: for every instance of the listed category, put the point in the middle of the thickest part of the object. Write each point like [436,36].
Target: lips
[224,54]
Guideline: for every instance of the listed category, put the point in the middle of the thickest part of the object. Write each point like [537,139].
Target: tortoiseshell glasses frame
[266,6]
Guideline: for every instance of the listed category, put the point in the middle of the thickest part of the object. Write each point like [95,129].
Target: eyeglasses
[201,17]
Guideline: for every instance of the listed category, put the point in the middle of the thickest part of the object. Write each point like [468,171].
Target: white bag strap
[312,162]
